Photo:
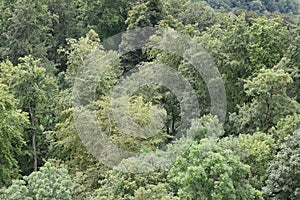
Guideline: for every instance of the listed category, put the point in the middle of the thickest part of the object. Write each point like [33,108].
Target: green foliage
[268,41]
[30,25]
[241,46]
[206,126]
[284,172]
[293,59]
[34,88]
[78,51]
[269,104]
[12,126]
[154,185]
[206,171]
[68,21]
[119,185]
[149,136]
[86,53]
[65,143]
[286,127]
[257,54]
[106,17]
[145,13]
[32,85]
[17,191]
[153,192]
[196,14]
[255,150]
[48,183]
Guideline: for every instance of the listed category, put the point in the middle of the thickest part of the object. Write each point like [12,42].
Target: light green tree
[256,150]
[284,171]
[285,127]
[154,192]
[206,171]
[65,142]
[82,55]
[12,128]
[48,183]
[120,185]
[209,169]
[269,104]
[243,45]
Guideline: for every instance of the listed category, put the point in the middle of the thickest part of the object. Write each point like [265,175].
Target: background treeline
[282,6]
[254,155]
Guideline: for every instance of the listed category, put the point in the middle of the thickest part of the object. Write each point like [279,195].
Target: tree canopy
[149,99]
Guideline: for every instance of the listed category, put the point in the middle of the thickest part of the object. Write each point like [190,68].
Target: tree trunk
[173,122]
[33,138]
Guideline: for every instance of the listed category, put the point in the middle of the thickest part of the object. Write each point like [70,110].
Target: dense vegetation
[255,154]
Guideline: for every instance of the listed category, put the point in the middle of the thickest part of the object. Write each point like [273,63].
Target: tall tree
[145,13]
[34,88]
[293,58]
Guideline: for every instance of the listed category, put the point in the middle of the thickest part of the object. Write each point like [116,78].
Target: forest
[149,99]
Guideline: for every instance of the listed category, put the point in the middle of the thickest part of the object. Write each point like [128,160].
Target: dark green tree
[68,21]
[29,30]
[106,17]
[144,14]
[260,6]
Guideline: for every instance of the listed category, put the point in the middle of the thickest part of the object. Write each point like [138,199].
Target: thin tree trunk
[32,120]
[173,122]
